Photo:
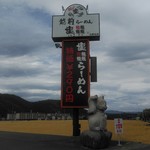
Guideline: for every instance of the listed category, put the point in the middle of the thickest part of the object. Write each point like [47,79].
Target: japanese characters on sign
[76,23]
[118,125]
[75,74]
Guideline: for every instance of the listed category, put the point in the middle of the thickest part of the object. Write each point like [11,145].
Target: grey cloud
[21,33]
[46,86]
[130,52]
[17,72]
[35,96]
[30,65]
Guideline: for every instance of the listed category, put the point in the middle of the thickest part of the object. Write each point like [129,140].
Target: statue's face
[95,97]
[101,103]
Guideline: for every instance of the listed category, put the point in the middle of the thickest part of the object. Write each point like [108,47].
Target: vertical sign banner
[75,74]
[118,125]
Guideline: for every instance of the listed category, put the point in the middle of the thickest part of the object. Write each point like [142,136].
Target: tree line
[146,115]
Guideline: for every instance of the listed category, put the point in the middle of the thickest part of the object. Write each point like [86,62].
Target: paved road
[23,141]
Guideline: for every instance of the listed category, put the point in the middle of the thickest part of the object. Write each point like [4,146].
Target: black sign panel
[93,69]
[75,74]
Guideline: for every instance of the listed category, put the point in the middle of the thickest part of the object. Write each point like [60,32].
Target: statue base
[95,139]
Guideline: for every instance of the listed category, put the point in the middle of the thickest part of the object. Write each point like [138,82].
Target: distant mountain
[121,112]
[113,112]
[46,106]
[14,104]
[11,103]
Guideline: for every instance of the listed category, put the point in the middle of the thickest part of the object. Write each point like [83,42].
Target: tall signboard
[75,73]
[74,29]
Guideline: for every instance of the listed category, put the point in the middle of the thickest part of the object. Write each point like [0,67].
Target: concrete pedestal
[95,139]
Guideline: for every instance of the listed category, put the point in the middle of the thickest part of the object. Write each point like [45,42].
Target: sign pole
[76,125]
[119,140]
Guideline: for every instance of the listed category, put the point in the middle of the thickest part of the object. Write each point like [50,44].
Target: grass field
[137,131]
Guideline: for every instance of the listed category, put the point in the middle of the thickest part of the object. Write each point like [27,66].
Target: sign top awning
[76,23]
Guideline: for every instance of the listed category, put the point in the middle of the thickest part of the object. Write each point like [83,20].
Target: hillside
[11,103]
[46,106]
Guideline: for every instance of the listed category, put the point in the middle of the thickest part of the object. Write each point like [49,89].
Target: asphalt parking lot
[24,141]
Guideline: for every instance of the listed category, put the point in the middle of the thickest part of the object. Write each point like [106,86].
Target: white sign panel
[76,23]
[118,125]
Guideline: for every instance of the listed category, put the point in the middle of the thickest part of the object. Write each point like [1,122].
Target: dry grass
[133,130]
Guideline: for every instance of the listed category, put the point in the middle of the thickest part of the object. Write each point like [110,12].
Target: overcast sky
[30,65]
